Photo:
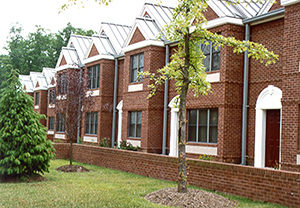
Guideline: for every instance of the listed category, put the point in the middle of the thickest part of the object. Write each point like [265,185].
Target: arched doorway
[268,127]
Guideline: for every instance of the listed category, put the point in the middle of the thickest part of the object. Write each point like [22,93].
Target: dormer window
[213,56]
[94,76]
[137,65]
[37,98]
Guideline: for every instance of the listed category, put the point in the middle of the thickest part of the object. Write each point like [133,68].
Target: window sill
[50,131]
[201,149]
[134,87]
[134,138]
[36,107]
[93,92]
[213,76]
[90,138]
[59,135]
[202,144]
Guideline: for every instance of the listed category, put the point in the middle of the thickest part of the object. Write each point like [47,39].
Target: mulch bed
[34,178]
[193,198]
[72,168]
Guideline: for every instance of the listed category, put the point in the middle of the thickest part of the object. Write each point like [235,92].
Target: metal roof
[71,56]
[80,43]
[49,73]
[103,45]
[117,34]
[26,82]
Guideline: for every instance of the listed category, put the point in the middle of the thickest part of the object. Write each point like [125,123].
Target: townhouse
[251,117]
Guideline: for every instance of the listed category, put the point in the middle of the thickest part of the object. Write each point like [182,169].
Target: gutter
[166,92]
[276,14]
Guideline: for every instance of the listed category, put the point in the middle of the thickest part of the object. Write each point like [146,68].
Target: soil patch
[72,168]
[193,198]
[15,179]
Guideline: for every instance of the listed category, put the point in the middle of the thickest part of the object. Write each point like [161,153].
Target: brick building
[251,116]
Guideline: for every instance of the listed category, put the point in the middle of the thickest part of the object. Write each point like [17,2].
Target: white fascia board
[289,2]
[143,44]
[67,66]
[40,88]
[222,21]
[50,86]
[98,57]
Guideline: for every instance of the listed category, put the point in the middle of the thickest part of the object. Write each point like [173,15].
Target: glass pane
[141,60]
[92,124]
[213,118]
[138,130]
[205,48]
[216,49]
[216,61]
[134,62]
[193,117]
[202,134]
[206,63]
[132,118]
[132,130]
[134,74]
[139,117]
[213,134]
[203,117]
[98,76]
[192,134]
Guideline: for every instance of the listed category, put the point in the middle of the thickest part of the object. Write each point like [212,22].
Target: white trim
[51,106]
[120,115]
[93,93]
[90,139]
[36,107]
[59,136]
[215,77]
[143,44]
[174,126]
[40,88]
[134,88]
[298,159]
[97,57]
[269,98]
[289,2]
[202,150]
[61,97]
[67,66]
[223,21]
[50,132]
[134,143]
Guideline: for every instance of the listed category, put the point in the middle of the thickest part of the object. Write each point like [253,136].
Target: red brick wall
[152,109]
[290,86]
[93,51]
[43,100]
[274,186]
[137,37]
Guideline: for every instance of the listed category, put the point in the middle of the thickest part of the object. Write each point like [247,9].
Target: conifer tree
[24,150]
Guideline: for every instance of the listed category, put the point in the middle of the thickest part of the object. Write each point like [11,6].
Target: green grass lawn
[101,188]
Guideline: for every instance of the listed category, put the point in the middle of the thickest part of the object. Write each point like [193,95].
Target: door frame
[268,99]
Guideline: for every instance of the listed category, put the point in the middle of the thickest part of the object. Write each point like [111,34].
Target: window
[51,123]
[213,56]
[136,66]
[203,125]
[94,76]
[37,98]
[52,97]
[135,124]
[60,122]
[91,123]
[62,83]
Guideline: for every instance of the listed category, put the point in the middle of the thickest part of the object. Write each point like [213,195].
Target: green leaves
[23,146]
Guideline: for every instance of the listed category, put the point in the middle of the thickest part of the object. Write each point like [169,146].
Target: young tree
[186,66]
[24,150]
[72,101]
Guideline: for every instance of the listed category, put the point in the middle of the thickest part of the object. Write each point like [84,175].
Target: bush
[105,142]
[128,146]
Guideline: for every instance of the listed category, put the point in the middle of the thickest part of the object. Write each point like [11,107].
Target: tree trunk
[182,174]
[71,151]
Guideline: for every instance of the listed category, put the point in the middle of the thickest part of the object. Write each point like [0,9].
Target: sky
[29,13]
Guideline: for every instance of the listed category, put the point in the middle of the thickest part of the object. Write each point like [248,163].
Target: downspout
[245,98]
[113,133]
[165,119]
